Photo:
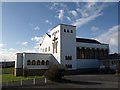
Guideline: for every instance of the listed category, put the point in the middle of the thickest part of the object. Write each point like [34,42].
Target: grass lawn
[7,70]
[11,77]
[7,75]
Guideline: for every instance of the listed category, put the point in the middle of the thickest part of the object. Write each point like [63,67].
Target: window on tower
[64,30]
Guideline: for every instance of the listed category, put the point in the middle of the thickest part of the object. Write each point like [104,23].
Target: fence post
[21,82]
[34,81]
[7,83]
[45,80]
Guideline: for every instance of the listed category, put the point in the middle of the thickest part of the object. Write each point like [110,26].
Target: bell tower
[68,46]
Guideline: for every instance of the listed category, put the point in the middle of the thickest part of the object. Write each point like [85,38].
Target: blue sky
[24,23]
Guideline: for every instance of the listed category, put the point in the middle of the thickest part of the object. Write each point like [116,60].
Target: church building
[60,46]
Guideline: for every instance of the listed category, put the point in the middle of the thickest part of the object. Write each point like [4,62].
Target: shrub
[55,72]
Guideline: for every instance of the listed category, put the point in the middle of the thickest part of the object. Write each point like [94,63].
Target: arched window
[67,30]
[38,62]
[47,62]
[42,62]
[33,62]
[64,30]
[28,62]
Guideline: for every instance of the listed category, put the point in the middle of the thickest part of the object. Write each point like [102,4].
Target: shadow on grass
[77,82]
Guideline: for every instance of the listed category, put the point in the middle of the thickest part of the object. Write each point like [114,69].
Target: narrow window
[66,58]
[47,62]
[28,62]
[38,62]
[71,31]
[49,48]
[67,30]
[42,62]
[33,62]
[64,30]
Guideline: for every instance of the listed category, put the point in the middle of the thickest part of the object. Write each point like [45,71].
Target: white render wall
[68,45]
[19,60]
[87,63]
[36,56]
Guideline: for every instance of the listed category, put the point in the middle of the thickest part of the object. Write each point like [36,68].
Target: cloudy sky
[24,23]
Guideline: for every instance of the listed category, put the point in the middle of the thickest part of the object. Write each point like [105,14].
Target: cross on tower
[55,42]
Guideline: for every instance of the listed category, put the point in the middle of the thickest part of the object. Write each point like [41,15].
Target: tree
[55,72]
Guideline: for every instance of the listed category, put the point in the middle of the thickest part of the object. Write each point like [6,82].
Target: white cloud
[11,49]
[37,39]
[94,29]
[2,45]
[73,12]
[24,43]
[8,54]
[110,37]
[31,51]
[57,5]
[81,21]
[36,28]
[47,21]
[68,18]
[60,14]
[88,12]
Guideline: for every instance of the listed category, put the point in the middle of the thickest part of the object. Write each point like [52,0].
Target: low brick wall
[29,72]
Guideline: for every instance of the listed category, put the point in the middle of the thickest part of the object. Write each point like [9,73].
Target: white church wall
[46,45]
[87,63]
[19,60]
[55,32]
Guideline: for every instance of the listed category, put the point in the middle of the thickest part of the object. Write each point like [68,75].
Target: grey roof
[83,40]
[114,56]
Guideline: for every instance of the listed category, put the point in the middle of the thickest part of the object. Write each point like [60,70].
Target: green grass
[11,77]
[7,70]
[7,75]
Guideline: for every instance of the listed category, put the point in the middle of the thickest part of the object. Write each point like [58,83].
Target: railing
[34,81]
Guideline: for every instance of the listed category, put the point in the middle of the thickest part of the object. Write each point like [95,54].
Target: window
[67,30]
[47,62]
[28,62]
[33,62]
[68,65]
[45,49]
[49,48]
[42,62]
[64,30]
[68,57]
[38,62]
[71,31]
[112,62]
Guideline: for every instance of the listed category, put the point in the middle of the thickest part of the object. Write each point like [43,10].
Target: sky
[25,23]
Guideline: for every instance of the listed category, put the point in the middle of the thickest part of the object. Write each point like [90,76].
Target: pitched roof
[83,40]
